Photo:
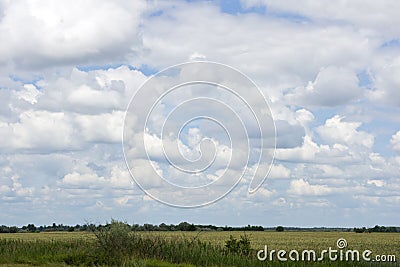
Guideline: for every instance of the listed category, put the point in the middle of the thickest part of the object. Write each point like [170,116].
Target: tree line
[183,226]
[377,229]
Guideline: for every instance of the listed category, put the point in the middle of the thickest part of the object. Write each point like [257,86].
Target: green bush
[241,246]
[115,242]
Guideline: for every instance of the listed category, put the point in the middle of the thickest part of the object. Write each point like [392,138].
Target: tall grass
[41,252]
[181,249]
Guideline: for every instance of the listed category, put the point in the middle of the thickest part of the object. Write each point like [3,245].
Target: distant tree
[13,229]
[227,228]
[163,227]
[183,226]
[359,230]
[253,228]
[383,229]
[280,229]
[135,227]
[148,227]
[31,227]
[191,227]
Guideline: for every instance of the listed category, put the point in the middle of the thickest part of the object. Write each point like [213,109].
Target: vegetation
[184,226]
[376,229]
[241,247]
[115,244]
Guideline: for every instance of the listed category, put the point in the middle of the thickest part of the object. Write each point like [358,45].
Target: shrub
[280,229]
[241,246]
[115,242]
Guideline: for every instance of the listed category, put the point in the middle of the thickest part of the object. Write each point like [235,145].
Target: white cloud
[91,92]
[302,187]
[123,201]
[38,130]
[121,178]
[280,55]
[354,13]
[333,86]
[329,171]
[337,131]
[377,183]
[313,152]
[387,83]
[30,93]
[197,56]
[58,34]
[395,141]
[87,97]
[262,195]
[277,171]
[68,112]
[82,179]
[19,190]
[304,116]
[105,127]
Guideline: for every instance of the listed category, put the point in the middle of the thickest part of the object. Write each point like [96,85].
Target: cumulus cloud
[30,94]
[333,86]
[91,92]
[67,76]
[377,183]
[105,127]
[279,171]
[395,141]
[265,52]
[85,179]
[356,13]
[310,151]
[304,116]
[68,112]
[84,32]
[302,187]
[53,131]
[39,130]
[387,84]
[337,131]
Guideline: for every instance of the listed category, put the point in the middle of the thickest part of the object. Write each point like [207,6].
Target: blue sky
[330,72]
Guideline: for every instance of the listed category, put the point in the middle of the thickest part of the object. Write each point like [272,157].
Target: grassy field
[377,242]
[184,248]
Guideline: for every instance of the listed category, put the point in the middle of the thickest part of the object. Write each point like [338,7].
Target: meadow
[120,247]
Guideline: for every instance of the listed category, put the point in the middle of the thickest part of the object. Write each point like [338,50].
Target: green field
[184,248]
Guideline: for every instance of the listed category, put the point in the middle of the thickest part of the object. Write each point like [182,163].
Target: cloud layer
[330,70]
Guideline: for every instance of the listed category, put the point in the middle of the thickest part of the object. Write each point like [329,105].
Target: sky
[330,72]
